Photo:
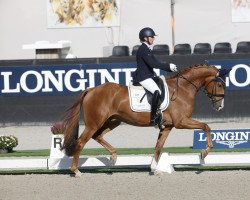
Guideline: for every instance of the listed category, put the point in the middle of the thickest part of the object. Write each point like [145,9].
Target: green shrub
[58,128]
[8,142]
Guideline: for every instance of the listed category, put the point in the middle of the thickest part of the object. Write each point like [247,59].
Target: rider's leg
[150,85]
[156,116]
[154,107]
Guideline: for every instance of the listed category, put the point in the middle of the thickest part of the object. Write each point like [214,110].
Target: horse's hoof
[159,173]
[153,165]
[203,154]
[78,174]
[113,160]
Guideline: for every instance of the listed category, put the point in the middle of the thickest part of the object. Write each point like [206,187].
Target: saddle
[141,99]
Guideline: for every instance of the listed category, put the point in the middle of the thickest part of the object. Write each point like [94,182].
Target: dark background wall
[20,110]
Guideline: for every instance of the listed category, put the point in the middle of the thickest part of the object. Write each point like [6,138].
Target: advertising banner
[62,79]
[223,139]
[239,76]
[74,78]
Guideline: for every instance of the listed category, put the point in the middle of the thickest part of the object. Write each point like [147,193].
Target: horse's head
[215,89]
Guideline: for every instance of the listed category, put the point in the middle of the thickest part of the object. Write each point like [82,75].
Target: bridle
[211,96]
[214,92]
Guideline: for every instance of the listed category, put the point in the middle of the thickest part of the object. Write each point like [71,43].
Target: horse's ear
[223,72]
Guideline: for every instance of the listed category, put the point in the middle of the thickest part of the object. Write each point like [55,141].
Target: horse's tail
[71,124]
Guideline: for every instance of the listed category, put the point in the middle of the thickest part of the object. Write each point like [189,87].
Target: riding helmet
[146,32]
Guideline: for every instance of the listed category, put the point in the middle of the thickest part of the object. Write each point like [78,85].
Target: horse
[107,105]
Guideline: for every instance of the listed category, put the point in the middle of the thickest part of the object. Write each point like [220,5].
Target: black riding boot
[159,119]
[154,107]
[156,115]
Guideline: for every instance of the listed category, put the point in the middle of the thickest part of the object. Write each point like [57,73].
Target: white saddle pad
[136,93]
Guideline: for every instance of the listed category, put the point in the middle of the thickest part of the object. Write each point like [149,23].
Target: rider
[144,73]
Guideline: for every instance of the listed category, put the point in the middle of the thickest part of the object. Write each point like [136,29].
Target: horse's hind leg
[80,143]
[98,136]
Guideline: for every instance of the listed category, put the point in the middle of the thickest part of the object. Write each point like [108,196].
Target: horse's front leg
[205,152]
[188,123]
[159,145]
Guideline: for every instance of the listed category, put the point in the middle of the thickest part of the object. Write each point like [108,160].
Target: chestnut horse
[107,105]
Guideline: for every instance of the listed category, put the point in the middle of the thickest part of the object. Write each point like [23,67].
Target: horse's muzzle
[219,105]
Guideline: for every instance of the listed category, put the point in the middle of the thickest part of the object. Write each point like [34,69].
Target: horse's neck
[197,76]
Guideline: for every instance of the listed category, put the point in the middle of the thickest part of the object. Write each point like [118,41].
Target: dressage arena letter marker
[55,148]
[58,141]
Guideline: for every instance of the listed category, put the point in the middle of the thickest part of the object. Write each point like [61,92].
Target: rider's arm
[151,61]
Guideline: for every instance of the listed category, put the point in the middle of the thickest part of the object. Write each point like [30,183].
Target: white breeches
[150,85]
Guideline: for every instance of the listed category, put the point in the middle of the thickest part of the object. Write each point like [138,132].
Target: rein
[177,84]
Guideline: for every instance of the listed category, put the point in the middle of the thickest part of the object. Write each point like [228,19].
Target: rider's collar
[149,46]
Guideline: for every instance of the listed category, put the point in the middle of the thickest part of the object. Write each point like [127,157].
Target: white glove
[173,67]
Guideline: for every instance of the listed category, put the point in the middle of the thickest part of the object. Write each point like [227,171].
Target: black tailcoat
[146,62]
